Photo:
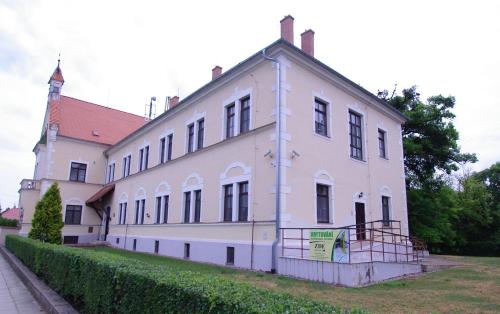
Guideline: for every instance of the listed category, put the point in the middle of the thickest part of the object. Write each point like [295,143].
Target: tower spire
[56,82]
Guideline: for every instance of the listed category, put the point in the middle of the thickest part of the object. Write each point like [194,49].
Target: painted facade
[225,186]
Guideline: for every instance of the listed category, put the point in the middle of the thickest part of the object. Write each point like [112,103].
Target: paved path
[15,298]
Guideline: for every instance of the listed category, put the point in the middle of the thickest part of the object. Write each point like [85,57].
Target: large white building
[281,140]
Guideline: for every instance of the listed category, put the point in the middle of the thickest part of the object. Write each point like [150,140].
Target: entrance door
[360,221]
[106,223]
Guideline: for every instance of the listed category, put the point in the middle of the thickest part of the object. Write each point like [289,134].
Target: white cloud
[119,53]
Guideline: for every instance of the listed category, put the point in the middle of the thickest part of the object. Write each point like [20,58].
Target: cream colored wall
[328,158]
[27,201]
[68,150]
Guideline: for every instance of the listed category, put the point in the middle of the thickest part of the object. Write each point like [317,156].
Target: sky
[120,53]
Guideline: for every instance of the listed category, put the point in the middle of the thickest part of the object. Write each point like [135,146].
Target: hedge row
[96,282]
[8,222]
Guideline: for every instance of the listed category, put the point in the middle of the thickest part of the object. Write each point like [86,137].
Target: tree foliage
[47,221]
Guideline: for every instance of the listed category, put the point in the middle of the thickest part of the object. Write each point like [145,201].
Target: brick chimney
[174,101]
[307,43]
[216,72]
[287,28]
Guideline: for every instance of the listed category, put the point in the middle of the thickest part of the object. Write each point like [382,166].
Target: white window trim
[364,151]
[77,202]
[86,169]
[329,114]
[197,116]
[225,180]
[324,178]
[165,135]
[191,188]
[235,98]
[108,178]
[123,157]
[386,139]
[386,191]
[122,199]
[162,190]
[144,145]
[139,196]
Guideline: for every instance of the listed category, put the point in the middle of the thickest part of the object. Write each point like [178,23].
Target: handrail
[384,243]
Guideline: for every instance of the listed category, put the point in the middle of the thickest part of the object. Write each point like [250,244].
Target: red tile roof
[90,122]
[11,213]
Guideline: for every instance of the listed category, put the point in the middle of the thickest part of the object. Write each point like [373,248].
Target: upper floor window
[166,148]
[355,134]
[73,215]
[245,114]
[385,211]
[320,117]
[110,173]
[126,166]
[381,143]
[140,208]
[190,135]
[143,158]
[323,203]
[78,172]
[122,213]
[230,116]
[200,134]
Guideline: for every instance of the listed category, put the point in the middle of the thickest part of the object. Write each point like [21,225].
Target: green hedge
[96,282]
[8,222]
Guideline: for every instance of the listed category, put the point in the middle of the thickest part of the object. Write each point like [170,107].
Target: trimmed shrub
[8,222]
[47,220]
[96,282]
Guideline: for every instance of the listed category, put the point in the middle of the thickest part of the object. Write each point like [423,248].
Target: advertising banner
[329,245]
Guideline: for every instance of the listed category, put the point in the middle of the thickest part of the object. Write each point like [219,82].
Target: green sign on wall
[329,245]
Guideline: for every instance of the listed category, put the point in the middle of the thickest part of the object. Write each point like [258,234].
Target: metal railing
[379,240]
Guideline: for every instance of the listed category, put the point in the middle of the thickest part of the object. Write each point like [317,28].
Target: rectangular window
[385,211]
[162,149]
[243,201]
[70,240]
[158,210]
[126,166]
[165,208]
[122,215]
[146,157]
[170,139]
[187,252]
[117,240]
[355,135]
[230,255]
[197,205]
[228,202]
[134,245]
[137,210]
[140,206]
[320,117]
[73,215]
[78,172]
[143,210]
[143,158]
[201,133]
[190,131]
[381,144]
[111,173]
[187,206]
[245,114]
[230,115]
[323,203]
[157,246]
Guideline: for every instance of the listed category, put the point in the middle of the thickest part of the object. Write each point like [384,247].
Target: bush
[8,222]
[96,282]
[47,221]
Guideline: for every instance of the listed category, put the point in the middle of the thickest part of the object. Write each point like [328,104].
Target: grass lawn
[471,288]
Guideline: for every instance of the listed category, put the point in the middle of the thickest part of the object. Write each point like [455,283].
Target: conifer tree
[47,221]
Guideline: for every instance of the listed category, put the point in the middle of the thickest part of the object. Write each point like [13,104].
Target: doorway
[106,223]
[360,221]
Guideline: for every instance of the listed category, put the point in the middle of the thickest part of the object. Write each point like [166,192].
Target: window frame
[361,137]
[325,114]
[110,172]
[143,158]
[382,152]
[122,213]
[67,210]
[328,205]
[240,196]
[230,132]
[78,171]
[190,137]
[386,222]
[245,127]
[200,125]
[126,160]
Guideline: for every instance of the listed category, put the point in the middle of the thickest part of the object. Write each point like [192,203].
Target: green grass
[472,287]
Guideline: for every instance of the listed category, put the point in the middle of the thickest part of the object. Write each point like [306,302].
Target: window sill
[325,137]
[383,158]
[362,161]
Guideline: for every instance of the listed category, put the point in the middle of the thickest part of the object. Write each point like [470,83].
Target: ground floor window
[323,203]
[122,213]
[140,208]
[236,197]
[70,239]
[73,215]
[385,211]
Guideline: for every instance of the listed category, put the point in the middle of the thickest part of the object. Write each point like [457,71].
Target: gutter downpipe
[274,262]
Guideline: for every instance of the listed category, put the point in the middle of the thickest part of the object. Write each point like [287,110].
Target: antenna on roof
[59,60]
[167,103]
[153,98]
